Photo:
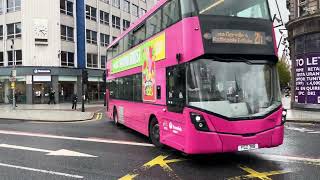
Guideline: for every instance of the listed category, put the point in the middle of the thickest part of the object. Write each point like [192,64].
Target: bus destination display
[238,37]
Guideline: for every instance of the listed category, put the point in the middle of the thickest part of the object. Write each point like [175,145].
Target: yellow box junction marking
[158,161]
[255,174]
[99,116]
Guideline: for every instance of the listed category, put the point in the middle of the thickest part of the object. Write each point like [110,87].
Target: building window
[1,32]
[126,24]
[92,37]
[104,18]
[116,3]
[14,58]
[92,61]
[91,13]
[135,11]
[142,12]
[67,59]
[126,6]
[103,62]
[67,33]
[1,7]
[105,1]
[104,40]
[13,5]
[66,7]
[115,22]
[14,30]
[1,59]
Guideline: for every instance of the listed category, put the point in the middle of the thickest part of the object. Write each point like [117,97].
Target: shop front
[6,91]
[305,53]
[41,87]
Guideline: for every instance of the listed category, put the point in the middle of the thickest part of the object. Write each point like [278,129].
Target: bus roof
[138,21]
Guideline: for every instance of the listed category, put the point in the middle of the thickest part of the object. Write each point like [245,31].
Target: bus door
[173,118]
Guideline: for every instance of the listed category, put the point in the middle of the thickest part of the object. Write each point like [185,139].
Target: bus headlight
[199,122]
[284,116]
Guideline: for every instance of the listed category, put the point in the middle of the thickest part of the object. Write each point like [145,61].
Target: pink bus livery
[199,76]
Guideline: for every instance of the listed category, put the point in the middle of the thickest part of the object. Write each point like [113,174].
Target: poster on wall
[307,79]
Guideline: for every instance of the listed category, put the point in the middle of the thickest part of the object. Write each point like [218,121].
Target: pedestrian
[51,97]
[74,102]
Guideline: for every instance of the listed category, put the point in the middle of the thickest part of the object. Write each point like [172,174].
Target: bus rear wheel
[154,132]
[115,117]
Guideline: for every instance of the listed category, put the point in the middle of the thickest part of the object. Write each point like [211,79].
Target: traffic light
[84,76]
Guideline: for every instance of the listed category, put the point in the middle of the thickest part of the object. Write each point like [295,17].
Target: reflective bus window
[139,35]
[153,24]
[171,13]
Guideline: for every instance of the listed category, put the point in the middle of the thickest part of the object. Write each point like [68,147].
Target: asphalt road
[38,151]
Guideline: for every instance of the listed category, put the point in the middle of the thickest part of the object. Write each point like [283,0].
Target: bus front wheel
[154,132]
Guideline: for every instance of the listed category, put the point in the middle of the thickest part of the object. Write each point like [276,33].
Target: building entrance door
[41,93]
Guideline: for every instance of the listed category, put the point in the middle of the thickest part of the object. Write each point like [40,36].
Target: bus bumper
[211,142]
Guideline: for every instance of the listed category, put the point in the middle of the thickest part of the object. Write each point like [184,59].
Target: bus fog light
[199,122]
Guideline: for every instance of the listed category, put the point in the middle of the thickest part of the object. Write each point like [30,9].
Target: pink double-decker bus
[199,76]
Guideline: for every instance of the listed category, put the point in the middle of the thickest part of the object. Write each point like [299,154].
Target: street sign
[14,73]
[13,85]
[13,79]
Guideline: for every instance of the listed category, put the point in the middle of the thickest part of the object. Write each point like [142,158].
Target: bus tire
[115,117]
[154,132]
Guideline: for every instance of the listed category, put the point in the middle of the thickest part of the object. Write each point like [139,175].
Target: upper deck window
[245,8]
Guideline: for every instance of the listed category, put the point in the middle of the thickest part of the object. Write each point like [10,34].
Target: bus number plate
[248,147]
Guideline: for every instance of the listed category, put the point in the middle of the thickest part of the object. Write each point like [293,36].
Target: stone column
[55,87]
[29,91]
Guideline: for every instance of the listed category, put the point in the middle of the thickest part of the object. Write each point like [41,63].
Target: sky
[285,17]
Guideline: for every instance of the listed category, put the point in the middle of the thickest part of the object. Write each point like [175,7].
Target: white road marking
[290,159]
[98,140]
[42,171]
[61,152]
[304,130]
[315,132]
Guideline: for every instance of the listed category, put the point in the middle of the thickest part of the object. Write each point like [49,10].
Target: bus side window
[176,88]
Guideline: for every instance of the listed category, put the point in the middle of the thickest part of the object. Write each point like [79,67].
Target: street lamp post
[13,75]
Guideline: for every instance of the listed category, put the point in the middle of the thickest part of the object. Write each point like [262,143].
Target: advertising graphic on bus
[199,76]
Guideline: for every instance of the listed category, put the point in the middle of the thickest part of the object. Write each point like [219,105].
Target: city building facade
[304,38]
[49,42]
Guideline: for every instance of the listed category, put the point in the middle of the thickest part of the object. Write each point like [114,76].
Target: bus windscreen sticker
[238,37]
[137,56]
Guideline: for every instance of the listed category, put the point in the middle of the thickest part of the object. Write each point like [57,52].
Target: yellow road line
[257,175]
[158,161]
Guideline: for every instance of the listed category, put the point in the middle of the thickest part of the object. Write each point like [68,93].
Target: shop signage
[137,56]
[238,36]
[42,71]
[307,79]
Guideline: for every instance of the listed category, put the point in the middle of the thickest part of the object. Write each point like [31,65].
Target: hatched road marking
[257,175]
[99,116]
[98,140]
[158,161]
[42,171]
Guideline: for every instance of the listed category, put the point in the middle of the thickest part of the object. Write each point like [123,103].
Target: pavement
[300,116]
[50,113]
[99,150]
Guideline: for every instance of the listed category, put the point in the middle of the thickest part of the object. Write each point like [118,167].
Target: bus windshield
[233,89]
[244,8]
